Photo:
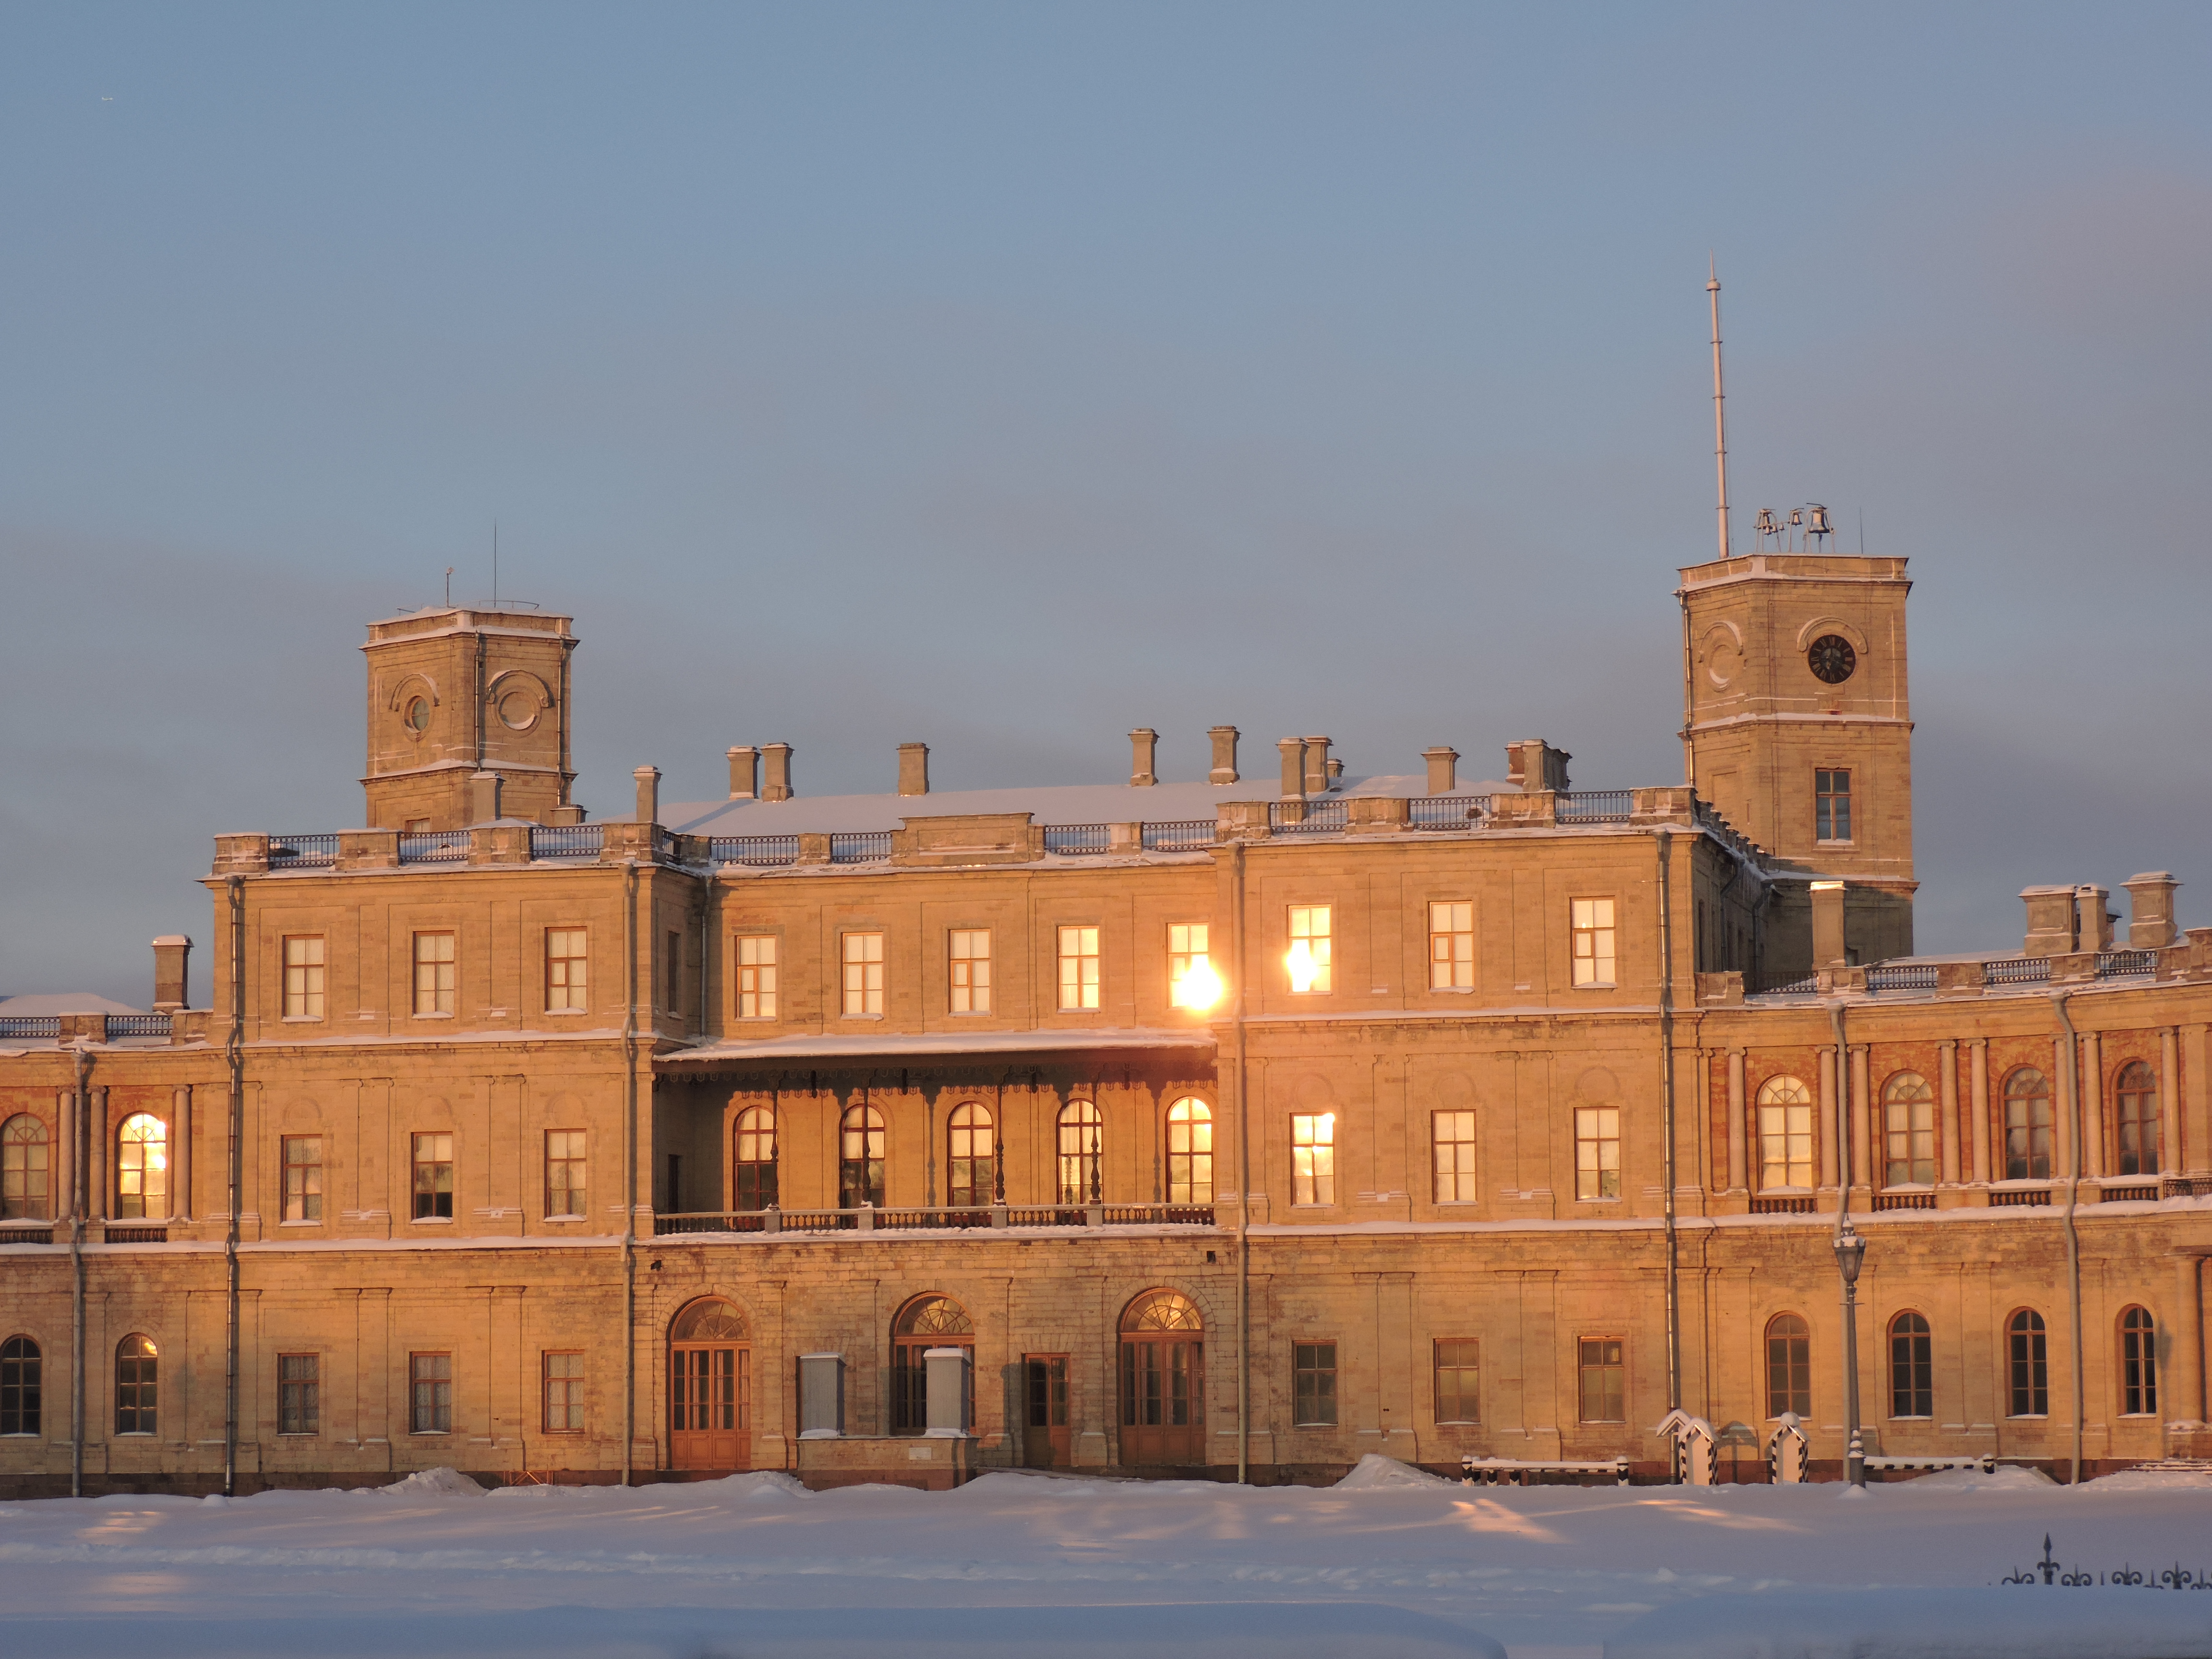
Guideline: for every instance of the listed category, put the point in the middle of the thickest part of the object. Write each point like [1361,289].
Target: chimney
[778,784]
[1444,769]
[914,768]
[1225,754]
[649,794]
[2050,921]
[1535,765]
[1828,924]
[745,774]
[1293,751]
[1142,741]
[484,796]
[2150,910]
[2092,919]
[1335,773]
[1316,766]
[172,975]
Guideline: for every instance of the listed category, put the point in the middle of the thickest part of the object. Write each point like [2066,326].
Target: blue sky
[1008,376]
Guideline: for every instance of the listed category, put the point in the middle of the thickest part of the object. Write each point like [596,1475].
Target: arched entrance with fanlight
[926,1322]
[710,1393]
[1163,1382]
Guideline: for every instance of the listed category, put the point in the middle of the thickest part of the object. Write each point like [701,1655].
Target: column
[1947,1084]
[2065,1080]
[1863,1169]
[1978,1104]
[2196,1104]
[1736,1162]
[2169,1103]
[180,1139]
[2093,1105]
[1831,1157]
[2184,1393]
[65,1157]
[96,1155]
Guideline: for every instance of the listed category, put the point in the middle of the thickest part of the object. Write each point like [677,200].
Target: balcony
[944,1217]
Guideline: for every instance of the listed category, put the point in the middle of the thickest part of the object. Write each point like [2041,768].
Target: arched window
[2138,1363]
[19,1386]
[1785,1134]
[1190,1151]
[2027,1127]
[1163,1382]
[926,1322]
[141,1169]
[136,1385]
[754,1187]
[26,1185]
[1082,1136]
[1908,1108]
[968,1162]
[1788,1366]
[2137,1090]
[2029,1363]
[1911,1367]
[860,1159]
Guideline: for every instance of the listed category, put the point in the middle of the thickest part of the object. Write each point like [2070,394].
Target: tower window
[1831,805]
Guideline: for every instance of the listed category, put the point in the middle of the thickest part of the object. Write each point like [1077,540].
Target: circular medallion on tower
[518,711]
[416,715]
[1831,658]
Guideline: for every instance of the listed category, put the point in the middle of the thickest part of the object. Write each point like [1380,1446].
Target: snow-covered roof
[62,1002]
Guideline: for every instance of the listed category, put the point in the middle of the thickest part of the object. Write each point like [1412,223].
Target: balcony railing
[1312,817]
[1178,836]
[567,840]
[943,1218]
[1067,839]
[757,852]
[1595,806]
[1447,811]
[434,847]
[2123,965]
[27,1232]
[138,1025]
[860,846]
[2017,970]
[1912,976]
[29,1027]
[316,852]
[137,1234]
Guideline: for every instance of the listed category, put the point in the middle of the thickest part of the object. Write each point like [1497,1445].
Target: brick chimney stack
[1142,743]
[744,773]
[777,785]
[914,768]
[1225,754]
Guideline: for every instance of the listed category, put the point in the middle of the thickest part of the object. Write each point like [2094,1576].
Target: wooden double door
[710,1406]
[1047,1442]
[1163,1399]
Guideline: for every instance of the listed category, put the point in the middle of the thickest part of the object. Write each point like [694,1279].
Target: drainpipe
[80,1110]
[1236,953]
[1854,1454]
[1666,1122]
[236,1048]
[2073,1192]
[629,1170]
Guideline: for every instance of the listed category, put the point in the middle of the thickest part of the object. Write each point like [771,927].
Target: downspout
[1243,1175]
[630,1168]
[1843,1118]
[236,1048]
[1666,1120]
[79,1176]
[2073,1191]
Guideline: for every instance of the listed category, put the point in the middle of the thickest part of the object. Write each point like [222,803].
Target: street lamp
[1850,1255]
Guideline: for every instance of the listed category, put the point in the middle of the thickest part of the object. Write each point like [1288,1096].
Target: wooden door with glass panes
[1163,1382]
[709,1390]
[1046,1444]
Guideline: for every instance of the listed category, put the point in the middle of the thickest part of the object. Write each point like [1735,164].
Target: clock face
[1831,658]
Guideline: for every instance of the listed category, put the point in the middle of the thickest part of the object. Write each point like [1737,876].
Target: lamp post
[1850,1255]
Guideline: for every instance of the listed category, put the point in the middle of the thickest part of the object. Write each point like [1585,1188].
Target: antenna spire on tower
[1720,421]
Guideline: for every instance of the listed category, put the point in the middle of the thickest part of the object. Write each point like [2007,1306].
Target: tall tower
[1798,725]
[452,692]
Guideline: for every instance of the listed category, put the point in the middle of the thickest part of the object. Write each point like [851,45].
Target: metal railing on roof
[567,840]
[1595,806]
[1178,836]
[759,851]
[1323,817]
[859,846]
[2017,970]
[434,847]
[29,1027]
[1447,811]
[315,851]
[1067,839]
[2121,964]
[138,1025]
[1911,976]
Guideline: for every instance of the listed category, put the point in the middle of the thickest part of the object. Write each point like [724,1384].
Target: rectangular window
[434,972]
[756,976]
[2030,1366]
[672,974]
[1452,1135]
[1191,979]
[303,976]
[970,949]
[564,1393]
[1593,940]
[564,1172]
[303,1177]
[299,1393]
[1604,1394]
[864,973]
[1451,946]
[1313,1384]
[1457,1364]
[433,1177]
[1831,805]
[1313,1158]
[566,980]
[21,1363]
[1079,968]
[1598,1152]
[430,1384]
[1309,958]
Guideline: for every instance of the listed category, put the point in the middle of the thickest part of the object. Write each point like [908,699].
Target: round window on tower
[1831,658]
[518,711]
[418,715]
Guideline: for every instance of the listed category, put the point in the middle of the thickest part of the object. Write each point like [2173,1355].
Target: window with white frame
[303,976]
[1592,926]
[1309,958]
[864,974]
[1451,1134]
[566,981]
[565,1188]
[969,951]
[756,976]
[1313,1158]
[303,1177]
[1785,1134]
[434,972]
[1079,968]
[1451,946]
[1598,1152]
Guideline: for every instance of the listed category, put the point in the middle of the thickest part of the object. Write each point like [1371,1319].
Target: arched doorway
[710,1393]
[926,1322]
[1163,1382]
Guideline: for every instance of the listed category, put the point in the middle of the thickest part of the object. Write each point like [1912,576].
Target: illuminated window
[1598,1152]
[1908,1107]
[1785,1134]
[1309,959]
[433,1177]
[756,1159]
[1452,1136]
[137,1385]
[299,1393]
[1788,1366]
[303,976]
[1190,1151]
[1078,968]
[303,1177]
[141,1169]
[566,1191]
[1313,1384]
[756,976]
[968,1157]
[2137,1095]
[1082,1132]
[25,1166]
[430,1393]
[864,974]
[2138,1363]
[434,972]
[1457,1371]
[971,951]
[2029,1365]
[1911,1367]
[564,1393]
[1313,1158]
[860,1159]
[1592,920]
[1192,982]
[1604,1380]
[2028,1126]
[1831,805]
[1451,946]
[566,980]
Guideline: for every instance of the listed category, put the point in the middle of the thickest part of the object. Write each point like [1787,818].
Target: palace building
[1247,1123]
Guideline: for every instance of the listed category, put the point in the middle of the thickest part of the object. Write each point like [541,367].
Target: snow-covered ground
[1390,1563]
